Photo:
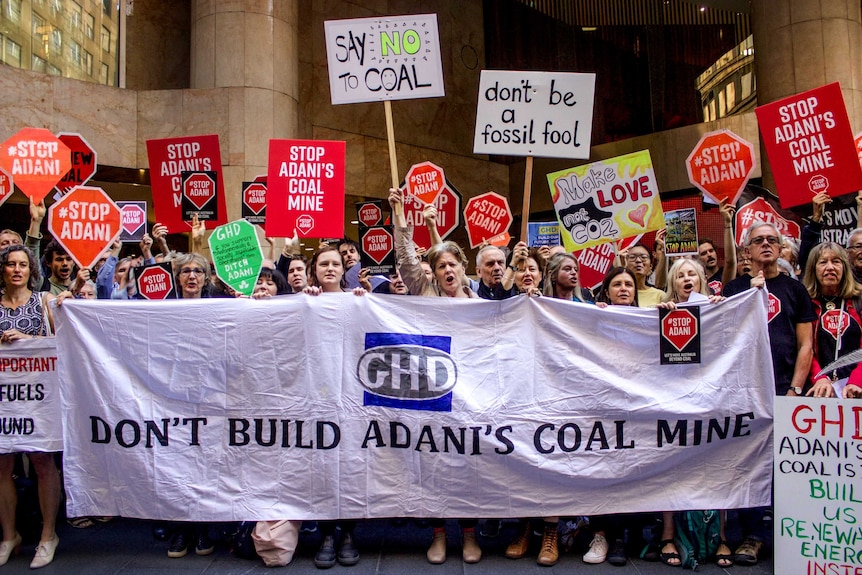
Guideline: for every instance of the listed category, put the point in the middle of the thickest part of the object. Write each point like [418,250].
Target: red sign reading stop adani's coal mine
[305,189]
[169,158]
[810,145]
[85,222]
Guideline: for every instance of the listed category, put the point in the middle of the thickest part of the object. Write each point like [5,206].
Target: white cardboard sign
[545,114]
[391,58]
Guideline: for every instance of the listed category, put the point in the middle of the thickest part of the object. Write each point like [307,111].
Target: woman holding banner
[24,314]
[837,332]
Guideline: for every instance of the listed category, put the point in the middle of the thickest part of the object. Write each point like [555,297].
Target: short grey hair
[479,255]
[746,238]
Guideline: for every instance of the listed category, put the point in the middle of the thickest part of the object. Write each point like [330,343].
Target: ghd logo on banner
[407,371]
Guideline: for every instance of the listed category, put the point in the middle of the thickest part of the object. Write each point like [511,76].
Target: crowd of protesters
[815,284]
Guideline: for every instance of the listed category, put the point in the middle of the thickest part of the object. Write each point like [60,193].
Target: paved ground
[126,546]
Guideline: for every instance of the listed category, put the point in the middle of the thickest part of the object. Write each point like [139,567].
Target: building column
[803,44]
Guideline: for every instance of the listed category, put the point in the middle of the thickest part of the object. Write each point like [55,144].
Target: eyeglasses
[636,257]
[759,240]
[190,271]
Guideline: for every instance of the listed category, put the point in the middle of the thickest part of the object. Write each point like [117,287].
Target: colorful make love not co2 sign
[305,189]
[810,145]
[606,200]
[391,58]
[36,160]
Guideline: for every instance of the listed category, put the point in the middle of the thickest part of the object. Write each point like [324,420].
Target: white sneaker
[598,550]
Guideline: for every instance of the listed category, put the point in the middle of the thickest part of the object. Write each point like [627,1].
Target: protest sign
[155,281]
[596,261]
[720,165]
[134,220]
[547,114]
[680,335]
[681,238]
[30,408]
[606,200]
[36,160]
[386,58]
[543,234]
[488,217]
[7,186]
[305,189]
[448,204]
[200,196]
[759,209]
[818,496]
[85,222]
[369,213]
[84,162]
[810,145]
[236,255]
[425,181]
[254,202]
[168,159]
[378,249]
[377,420]
[839,219]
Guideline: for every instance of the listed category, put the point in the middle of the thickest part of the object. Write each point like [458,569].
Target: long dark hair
[604,296]
[34,282]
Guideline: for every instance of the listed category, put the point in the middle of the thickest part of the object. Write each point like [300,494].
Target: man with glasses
[790,314]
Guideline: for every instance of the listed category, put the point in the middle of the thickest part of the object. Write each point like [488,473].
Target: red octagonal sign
[679,327]
[377,243]
[6,186]
[84,162]
[448,205]
[425,181]
[369,214]
[254,197]
[199,189]
[134,216]
[85,222]
[155,283]
[720,165]
[36,159]
[487,216]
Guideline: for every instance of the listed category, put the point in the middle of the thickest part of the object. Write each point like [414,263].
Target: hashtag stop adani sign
[305,189]
[85,222]
[720,165]
[36,160]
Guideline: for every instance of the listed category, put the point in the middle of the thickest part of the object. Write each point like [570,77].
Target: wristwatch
[797,390]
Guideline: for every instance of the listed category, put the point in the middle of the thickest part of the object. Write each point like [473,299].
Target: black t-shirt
[714,281]
[497,292]
[789,305]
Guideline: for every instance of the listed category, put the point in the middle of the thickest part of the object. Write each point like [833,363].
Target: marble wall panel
[230,56]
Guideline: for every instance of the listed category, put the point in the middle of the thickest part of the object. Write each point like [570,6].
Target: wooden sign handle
[525,207]
[393,158]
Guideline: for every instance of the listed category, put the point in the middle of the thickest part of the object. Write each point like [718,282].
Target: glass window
[731,96]
[13,53]
[75,53]
[75,15]
[104,72]
[722,106]
[106,40]
[57,39]
[89,25]
[106,7]
[54,70]
[13,10]
[38,25]
[39,65]
[88,63]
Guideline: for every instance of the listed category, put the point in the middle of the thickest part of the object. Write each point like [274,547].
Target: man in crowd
[59,265]
[717,276]
[491,269]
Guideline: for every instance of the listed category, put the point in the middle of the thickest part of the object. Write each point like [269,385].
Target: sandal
[667,557]
[80,522]
[724,559]
[102,518]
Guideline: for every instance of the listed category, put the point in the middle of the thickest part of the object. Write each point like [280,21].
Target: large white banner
[818,493]
[382,406]
[29,397]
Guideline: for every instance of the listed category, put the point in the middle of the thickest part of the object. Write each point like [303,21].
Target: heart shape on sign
[638,215]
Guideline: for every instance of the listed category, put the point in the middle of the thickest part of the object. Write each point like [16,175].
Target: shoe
[617,554]
[161,532]
[348,554]
[550,553]
[7,548]
[308,527]
[325,557]
[598,550]
[203,543]
[470,550]
[746,554]
[723,559]
[80,522]
[179,544]
[519,547]
[667,557]
[491,528]
[45,552]
[437,552]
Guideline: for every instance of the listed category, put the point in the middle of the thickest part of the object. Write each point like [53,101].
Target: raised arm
[727,211]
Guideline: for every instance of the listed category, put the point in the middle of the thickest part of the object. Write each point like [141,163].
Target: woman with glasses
[638,260]
[837,332]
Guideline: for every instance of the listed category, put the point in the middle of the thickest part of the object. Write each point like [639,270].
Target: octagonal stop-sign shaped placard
[36,160]
[487,217]
[85,222]
[84,162]
[6,186]
[425,181]
[720,165]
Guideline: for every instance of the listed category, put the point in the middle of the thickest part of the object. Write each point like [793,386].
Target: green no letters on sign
[237,255]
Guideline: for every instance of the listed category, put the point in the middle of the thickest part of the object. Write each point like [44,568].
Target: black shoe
[203,543]
[617,553]
[308,527]
[491,528]
[325,557]
[348,554]
[179,544]
[161,532]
